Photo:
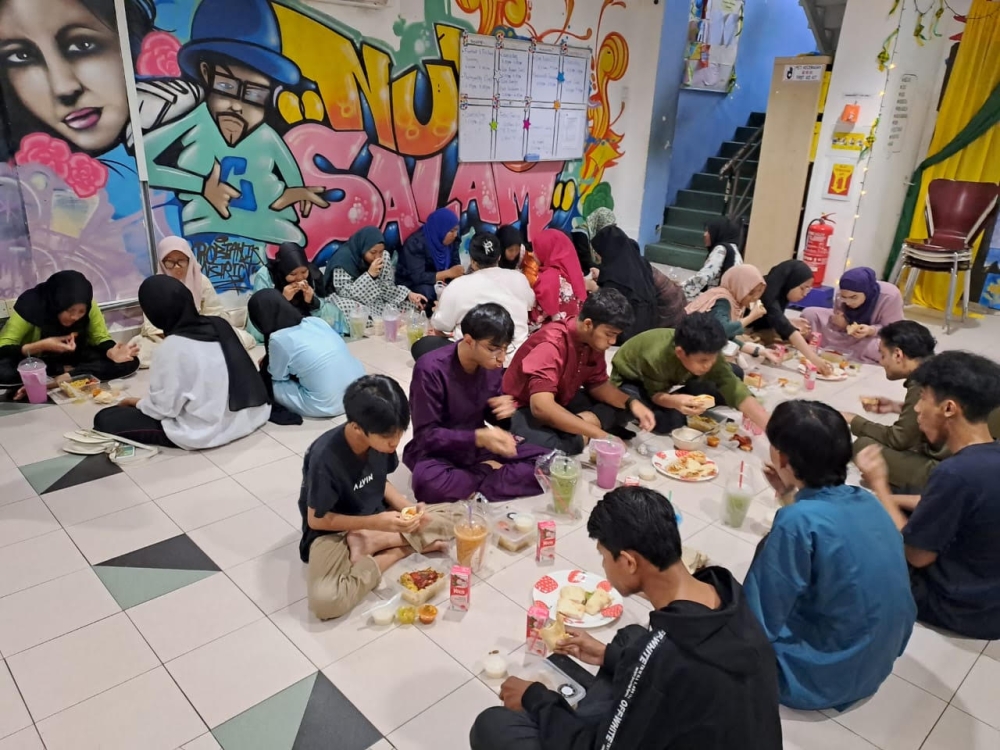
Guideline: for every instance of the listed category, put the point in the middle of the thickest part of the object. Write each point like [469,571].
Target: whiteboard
[522,101]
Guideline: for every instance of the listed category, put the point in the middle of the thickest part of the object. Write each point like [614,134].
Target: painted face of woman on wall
[65,66]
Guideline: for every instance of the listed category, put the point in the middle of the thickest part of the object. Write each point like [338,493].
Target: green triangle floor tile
[177,553]
[270,725]
[44,474]
[133,586]
[90,469]
[331,720]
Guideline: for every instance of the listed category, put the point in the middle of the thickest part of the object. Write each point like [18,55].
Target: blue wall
[690,126]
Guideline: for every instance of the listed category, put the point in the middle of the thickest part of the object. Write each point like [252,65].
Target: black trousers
[129,422]
[668,420]
[428,344]
[524,424]
[87,361]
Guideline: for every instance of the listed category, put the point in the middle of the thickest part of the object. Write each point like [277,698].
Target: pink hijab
[193,278]
[735,285]
[556,257]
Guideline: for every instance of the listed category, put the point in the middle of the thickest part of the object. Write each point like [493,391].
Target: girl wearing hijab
[308,366]
[560,290]
[430,255]
[789,281]
[298,280]
[722,238]
[515,256]
[623,268]
[58,322]
[361,271]
[741,288]
[863,305]
[599,220]
[176,259]
[204,390]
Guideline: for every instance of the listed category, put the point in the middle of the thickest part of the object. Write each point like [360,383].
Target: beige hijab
[735,285]
[192,280]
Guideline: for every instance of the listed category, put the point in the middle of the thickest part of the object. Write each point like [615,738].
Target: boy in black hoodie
[702,677]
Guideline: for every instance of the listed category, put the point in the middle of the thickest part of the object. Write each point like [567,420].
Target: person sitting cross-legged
[829,583]
[951,529]
[454,453]
[702,676]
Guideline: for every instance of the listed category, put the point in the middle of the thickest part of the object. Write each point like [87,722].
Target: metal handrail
[738,201]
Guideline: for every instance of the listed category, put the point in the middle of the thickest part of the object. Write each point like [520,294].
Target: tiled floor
[163,607]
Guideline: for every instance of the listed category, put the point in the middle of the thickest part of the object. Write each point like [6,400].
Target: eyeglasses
[234,88]
[497,352]
[170,265]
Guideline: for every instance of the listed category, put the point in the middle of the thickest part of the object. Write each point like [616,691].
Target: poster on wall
[68,178]
[839,181]
[714,30]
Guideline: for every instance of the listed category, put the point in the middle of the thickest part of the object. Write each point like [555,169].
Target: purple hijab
[865,281]
[435,229]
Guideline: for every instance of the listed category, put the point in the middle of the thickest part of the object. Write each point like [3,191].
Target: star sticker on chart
[561,78]
[527,124]
[493,124]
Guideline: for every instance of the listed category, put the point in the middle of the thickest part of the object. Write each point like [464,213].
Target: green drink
[563,476]
[414,333]
[736,506]
[357,328]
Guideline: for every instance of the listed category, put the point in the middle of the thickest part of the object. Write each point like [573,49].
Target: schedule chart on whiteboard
[521,101]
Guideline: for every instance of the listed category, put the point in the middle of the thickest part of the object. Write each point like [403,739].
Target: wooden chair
[956,213]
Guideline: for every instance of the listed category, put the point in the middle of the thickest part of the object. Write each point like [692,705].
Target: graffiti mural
[69,191]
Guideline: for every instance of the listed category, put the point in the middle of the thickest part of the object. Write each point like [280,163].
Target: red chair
[956,213]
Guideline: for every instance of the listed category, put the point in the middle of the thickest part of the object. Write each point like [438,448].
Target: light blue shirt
[321,363]
[831,588]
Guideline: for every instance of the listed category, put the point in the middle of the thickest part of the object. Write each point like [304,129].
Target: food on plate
[705,401]
[745,443]
[870,403]
[702,423]
[104,397]
[731,426]
[406,615]
[421,585]
[573,593]
[693,559]
[692,466]
[754,379]
[427,614]
[782,382]
[554,633]
[572,609]
[712,441]
[597,601]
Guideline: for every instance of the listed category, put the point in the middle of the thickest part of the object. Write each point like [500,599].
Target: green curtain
[987,116]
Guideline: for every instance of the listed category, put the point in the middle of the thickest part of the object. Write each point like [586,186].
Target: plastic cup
[736,500]
[390,319]
[416,327]
[564,474]
[35,379]
[470,542]
[609,463]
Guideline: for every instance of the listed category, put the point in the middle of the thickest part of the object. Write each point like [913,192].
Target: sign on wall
[714,30]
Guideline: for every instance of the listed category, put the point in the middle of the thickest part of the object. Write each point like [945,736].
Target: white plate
[838,375]
[546,592]
[663,459]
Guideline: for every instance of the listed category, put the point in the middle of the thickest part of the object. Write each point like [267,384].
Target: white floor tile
[980,693]
[38,560]
[581,550]
[258,449]
[957,730]
[516,581]
[52,609]
[175,474]
[13,485]
[288,508]
[447,723]
[243,537]
[326,641]
[811,730]
[898,717]
[127,530]
[25,520]
[34,435]
[205,742]
[723,549]
[279,479]
[937,661]
[397,677]
[199,506]
[298,438]
[239,670]
[148,712]
[90,500]
[13,714]
[274,580]
[26,739]
[61,673]
[993,650]
[192,616]
[382,744]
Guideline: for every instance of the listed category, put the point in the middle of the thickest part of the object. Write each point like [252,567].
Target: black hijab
[269,311]
[288,258]
[42,304]
[169,306]
[783,278]
[724,232]
[509,236]
[623,268]
[581,241]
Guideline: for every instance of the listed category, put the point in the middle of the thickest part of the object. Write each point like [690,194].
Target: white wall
[855,71]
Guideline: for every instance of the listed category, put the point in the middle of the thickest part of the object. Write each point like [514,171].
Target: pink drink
[609,463]
[34,378]
[391,328]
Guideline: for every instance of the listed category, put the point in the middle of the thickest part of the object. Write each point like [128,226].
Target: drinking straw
[740,484]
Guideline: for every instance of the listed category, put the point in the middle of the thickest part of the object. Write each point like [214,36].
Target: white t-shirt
[189,394]
[504,286]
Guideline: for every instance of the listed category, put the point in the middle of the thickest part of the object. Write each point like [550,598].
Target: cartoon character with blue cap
[232,172]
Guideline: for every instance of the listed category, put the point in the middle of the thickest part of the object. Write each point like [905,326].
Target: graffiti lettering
[229,262]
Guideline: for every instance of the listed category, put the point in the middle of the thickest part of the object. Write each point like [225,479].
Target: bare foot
[389,557]
[440,546]
[366,542]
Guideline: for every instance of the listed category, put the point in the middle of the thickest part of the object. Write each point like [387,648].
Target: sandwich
[705,401]
[554,633]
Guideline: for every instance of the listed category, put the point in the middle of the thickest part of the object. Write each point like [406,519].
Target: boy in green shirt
[653,364]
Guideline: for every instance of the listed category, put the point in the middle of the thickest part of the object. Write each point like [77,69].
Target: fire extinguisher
[817,252]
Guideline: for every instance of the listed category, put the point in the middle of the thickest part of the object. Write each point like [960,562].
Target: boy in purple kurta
[454,453]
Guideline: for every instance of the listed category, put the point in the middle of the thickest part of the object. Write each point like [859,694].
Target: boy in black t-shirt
[352,527]
[951,535]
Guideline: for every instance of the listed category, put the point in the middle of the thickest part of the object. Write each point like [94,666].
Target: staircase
[682,241]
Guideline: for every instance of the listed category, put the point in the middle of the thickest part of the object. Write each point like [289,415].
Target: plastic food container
[547,673]
[424,595]
[687,438]
[515,531]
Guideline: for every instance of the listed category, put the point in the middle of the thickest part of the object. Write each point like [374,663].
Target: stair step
[701,200]
[744,133]
[672,254]
[689,218]
[710,183]
[683,235]
[756,119]
[716,163]
[729,149]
